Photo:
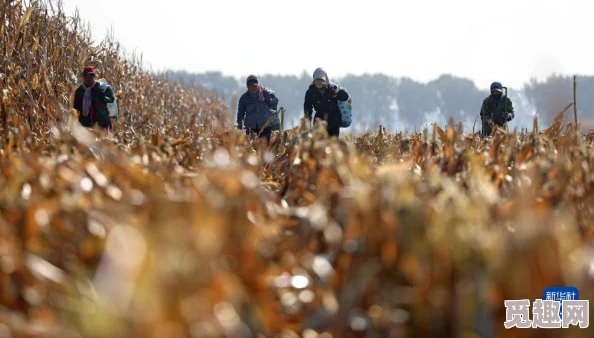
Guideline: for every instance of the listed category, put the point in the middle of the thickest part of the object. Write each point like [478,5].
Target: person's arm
[510,110]
[108,96]
[485,116]
[240,112]
[342,95]
[273,102]
[307,105]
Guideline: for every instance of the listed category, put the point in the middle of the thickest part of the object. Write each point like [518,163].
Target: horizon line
[350,74]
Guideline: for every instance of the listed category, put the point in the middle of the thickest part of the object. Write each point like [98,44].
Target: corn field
[174,225]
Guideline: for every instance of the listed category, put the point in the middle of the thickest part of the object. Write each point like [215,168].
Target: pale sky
[507,41]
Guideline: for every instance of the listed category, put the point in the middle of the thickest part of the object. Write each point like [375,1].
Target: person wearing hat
[323,96]
[253,108]
[90,100]
[496,109]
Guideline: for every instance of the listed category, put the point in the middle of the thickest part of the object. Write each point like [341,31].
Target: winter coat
[98,112]
[325,103]
[492,110]
[254,112]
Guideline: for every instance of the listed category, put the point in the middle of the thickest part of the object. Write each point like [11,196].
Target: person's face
[253,88]
[89,79]
[319,84]
[495,92]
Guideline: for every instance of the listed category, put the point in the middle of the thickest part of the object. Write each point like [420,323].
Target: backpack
[346,109]
[112,107]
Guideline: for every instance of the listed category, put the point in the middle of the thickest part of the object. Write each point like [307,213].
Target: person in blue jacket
[253,109]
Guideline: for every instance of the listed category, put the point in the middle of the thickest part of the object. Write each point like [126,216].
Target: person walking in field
[323,96]
[253,109]
[91,99]
[496,109]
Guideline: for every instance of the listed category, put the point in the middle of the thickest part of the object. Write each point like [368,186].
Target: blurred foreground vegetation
[174,226]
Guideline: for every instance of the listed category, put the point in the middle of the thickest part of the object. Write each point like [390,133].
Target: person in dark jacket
[322,96]
[90,100]
[253,109]
[496,110]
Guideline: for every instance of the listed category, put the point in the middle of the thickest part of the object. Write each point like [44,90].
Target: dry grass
[165,229]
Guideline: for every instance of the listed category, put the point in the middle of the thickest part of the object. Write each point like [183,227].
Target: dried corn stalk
[168,228]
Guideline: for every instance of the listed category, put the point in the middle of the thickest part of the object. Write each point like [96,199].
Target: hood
[320,73]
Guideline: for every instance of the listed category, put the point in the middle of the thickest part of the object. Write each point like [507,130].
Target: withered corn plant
[169,227]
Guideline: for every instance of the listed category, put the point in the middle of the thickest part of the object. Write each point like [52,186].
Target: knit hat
[252,80]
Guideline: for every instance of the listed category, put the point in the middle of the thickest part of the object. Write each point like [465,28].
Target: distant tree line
[405,104]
